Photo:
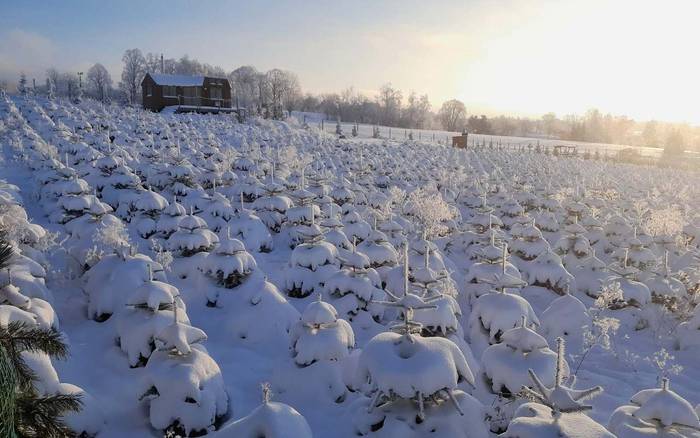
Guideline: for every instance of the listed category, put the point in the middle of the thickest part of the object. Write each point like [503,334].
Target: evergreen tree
[24,413]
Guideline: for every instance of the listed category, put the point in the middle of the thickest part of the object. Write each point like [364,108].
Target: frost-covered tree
[244,86]
[100,81]
[22,84]
[453,115]
[430,211]
[132,74]
[50,89]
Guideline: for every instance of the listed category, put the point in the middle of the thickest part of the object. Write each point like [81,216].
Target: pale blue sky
[513,56]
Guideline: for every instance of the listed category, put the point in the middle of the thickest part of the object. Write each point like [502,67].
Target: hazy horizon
[516,57]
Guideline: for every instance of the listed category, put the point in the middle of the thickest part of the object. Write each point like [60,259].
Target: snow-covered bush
[655,412]
[496,312]
[321,335]
[269,420]
[566,318]
[547,271]
[229,264]
[106,283]
[151,307]
[507,364]
[354,288]
[182,384]
[310,263]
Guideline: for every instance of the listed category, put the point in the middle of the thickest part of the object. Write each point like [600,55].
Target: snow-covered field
[366,131]
[263,279]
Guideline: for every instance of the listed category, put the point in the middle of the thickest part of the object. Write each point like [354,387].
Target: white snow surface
[56,157]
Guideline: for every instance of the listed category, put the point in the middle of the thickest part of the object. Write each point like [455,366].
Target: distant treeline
[275,93]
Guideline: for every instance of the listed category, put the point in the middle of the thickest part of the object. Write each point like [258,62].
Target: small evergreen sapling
[560,398]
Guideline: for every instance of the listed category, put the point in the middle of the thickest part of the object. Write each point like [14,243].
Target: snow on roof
[177,80]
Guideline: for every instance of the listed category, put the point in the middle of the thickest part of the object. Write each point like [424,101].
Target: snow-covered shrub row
[152,327]
[424,285]
[26,299]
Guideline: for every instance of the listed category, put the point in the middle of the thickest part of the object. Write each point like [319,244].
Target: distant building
[460,141]
[186,93]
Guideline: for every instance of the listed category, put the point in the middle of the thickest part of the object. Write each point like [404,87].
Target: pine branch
[41,417]
[23,337]
[8,394]
[23,373]
[6,252]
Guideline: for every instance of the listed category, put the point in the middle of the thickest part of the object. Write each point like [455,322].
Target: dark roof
[181,80]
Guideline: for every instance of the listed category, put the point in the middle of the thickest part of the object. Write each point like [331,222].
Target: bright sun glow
[624,57]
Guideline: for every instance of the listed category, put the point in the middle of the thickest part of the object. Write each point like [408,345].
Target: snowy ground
[633,347]
[366,131]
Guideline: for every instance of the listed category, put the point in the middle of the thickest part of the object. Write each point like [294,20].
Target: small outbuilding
[186,93]
[460,141]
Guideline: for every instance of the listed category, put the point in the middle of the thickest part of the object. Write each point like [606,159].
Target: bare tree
[263,90]
[54,77]
[213,71]
[417,111]
[453,115]
[291,94]
[70,82]
[190,67]
[389,101]
[244,85]
[152,63]
[423,113]
[132,74]
[100,81]
[277,83]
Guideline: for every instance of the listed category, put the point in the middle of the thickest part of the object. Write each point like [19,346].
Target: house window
[216,92]
[169,91]
[191,91]
[149,90]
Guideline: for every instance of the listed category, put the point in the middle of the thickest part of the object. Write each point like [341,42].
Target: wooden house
[186,93]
